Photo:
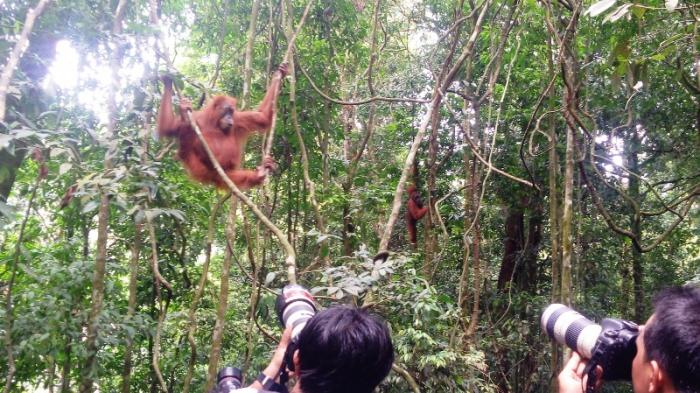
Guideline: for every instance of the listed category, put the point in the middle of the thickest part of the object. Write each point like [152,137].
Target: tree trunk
[9,309]
[348,226]
[323,250]
[570,103]
[11,163]
[65,373]
[41,53]
[429,234]
[153,386]
[353,159]
[255,287]
[131,308]
[463,294]
[554,233]
[637,257]
[158,280]
[98,282]
[476,249]
[218,333]
[434,105]
[533,241]
[17,52]
[199,291]
[512,246]
[97,297]
[626,282]
[348,230]
[567,218]
[248,64]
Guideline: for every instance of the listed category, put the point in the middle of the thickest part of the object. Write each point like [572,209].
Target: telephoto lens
[294,307]
[611,345]
[568,327]
[228,379]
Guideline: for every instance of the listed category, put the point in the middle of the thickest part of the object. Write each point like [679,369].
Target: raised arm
[415,205]
[417,210]
[261,119]
[168,124]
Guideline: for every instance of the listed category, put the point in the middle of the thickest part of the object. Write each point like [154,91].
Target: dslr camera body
[611,345]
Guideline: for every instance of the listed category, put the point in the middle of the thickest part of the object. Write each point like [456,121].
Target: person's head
[343,349]
[668,346]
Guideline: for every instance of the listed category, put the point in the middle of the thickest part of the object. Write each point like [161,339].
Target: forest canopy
[453,166]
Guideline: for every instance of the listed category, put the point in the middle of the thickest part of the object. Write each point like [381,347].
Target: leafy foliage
[464,306]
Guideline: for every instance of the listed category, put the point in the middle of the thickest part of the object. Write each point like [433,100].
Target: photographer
[340,350]
[668,349]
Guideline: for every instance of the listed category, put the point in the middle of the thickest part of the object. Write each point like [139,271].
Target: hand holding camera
[294,306]
[572,377]
[609,347]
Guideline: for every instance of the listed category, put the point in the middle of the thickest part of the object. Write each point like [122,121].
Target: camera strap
[590,371]
[284,378]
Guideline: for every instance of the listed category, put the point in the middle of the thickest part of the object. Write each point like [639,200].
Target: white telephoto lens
[566,326]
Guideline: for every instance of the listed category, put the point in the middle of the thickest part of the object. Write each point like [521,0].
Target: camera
[611,345]
[228,379]
[294,306]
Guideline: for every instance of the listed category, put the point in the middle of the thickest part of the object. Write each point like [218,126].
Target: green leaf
[671,5]
[638,11]
[658,57]
[90,206]
[618,13]
[6,210]
[599,7]
[64,168]
[139,217]
[23,133]
[5,140]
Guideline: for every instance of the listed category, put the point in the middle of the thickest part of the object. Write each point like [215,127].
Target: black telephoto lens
[228,379]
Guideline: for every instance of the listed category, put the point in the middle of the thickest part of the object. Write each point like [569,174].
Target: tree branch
[17,52]
[290,261]
[630,235]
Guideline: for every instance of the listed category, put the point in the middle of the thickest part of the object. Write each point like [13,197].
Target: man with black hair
[340,350]
[668,348]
